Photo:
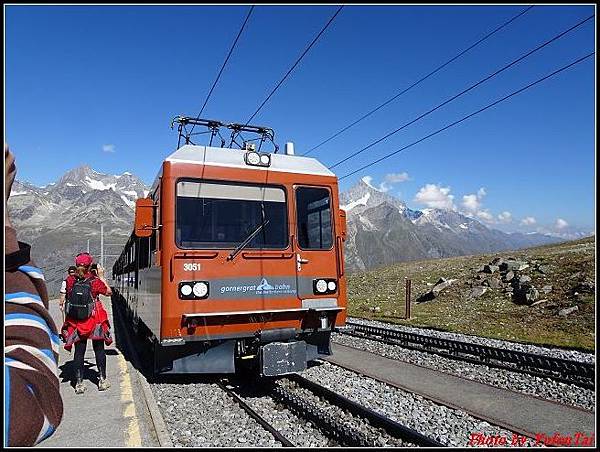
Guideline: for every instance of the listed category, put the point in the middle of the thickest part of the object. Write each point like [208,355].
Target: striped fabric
[33,407]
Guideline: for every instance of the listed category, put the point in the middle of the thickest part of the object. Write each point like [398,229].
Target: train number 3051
[191,267]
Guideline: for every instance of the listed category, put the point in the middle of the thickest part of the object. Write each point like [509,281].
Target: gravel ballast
[508,345]
[203,415]
[449,426]
[545,388]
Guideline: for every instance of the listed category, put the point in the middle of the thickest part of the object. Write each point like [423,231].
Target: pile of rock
[437,288]
[507,275]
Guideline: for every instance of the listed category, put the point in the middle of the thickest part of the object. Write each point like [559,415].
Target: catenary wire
[514,93]
[294,65]
[463,92]
[422,79]
[224,64]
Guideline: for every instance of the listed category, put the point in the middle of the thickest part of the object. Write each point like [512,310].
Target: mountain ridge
[59,218]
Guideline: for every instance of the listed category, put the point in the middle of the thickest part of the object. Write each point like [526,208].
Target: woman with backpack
[86,318]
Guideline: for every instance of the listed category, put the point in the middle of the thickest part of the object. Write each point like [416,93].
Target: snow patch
[130,193]
[360,202]
[367,223]
[17,193]
[69,184]
[129,202]
[146,193]
[99,185]
[463,226]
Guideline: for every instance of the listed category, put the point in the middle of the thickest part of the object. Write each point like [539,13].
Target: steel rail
[257,417]
[377,420]
[563,370]
[322,420]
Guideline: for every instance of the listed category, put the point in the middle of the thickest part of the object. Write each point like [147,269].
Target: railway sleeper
[323,421]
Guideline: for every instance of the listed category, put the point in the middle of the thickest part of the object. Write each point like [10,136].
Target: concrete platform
[515,411]
[117,417]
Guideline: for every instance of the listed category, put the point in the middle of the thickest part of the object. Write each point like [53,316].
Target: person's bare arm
[100,274]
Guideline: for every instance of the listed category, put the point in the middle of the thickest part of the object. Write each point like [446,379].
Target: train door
[316,266]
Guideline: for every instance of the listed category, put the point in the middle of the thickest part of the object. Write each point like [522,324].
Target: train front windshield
[216,215]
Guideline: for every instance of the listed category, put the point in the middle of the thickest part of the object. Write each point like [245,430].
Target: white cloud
[394,178]
[560,223]
[505,217]
[389,180]
[528,221]
[472,203]
[108,147]
[486,216]
[435,196]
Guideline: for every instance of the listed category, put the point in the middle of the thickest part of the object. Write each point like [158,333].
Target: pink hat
[83,259]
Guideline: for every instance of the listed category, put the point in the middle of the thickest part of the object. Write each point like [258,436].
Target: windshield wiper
[242,245]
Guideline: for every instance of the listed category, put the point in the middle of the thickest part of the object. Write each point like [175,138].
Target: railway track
[566,371]
[324,414]
[255,415]
[377,420]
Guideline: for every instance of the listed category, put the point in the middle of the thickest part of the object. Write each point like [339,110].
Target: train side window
[313,213]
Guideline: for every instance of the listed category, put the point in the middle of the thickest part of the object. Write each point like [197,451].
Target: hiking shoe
[79,388]
[103,384]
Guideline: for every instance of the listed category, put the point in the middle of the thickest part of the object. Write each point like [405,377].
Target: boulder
[525,294]
[565,312]
[497,261]
[441,285]
[584,287]
[513,265]
[477,291]
[509,276]
[542,269]
[427,296]
[547,289]
[490,269]
[494,283]
[522,279]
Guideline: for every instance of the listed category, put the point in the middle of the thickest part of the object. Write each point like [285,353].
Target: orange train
[236,257]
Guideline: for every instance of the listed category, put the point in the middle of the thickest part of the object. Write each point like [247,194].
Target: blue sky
[99,85]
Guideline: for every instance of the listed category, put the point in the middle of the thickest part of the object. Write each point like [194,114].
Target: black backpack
[80,303]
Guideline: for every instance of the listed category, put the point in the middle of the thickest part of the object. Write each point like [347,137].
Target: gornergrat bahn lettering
[235,259]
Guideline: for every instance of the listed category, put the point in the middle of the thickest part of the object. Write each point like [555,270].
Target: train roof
[206,155]
[234,158]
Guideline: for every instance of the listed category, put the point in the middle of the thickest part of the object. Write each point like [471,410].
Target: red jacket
[97,326]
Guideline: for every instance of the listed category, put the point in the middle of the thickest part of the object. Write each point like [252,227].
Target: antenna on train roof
[213,127]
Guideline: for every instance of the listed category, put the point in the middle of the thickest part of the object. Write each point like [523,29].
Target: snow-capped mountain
[59,218]
[383,230]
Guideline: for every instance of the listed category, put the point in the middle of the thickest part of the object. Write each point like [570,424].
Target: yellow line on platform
[133,430]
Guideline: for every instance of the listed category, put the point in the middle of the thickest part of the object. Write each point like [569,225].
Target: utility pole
[102,244]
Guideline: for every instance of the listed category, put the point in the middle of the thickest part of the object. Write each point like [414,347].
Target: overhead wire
[514,93]
[224,64]
[294,65]
[422,79]
[463,92]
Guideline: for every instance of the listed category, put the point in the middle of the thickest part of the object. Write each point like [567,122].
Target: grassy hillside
[568,267]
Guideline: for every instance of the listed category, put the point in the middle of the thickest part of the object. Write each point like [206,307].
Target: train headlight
[193,290]
[185,290]
[200,289]
[252,158]
[322,286]
[265,159]
[256,159]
